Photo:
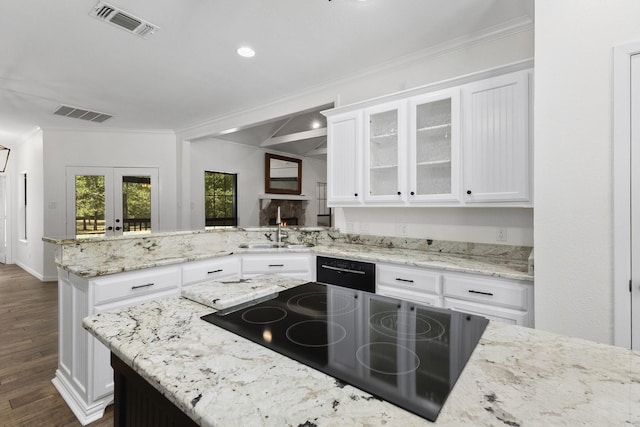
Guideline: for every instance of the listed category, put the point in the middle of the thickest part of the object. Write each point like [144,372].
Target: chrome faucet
[279,235]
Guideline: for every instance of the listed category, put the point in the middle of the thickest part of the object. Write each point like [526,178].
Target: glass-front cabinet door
[434,147]
[385,153]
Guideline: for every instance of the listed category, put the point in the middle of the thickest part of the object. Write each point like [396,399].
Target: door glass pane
[90,205]
[433,147]
[136,204]
[383,155]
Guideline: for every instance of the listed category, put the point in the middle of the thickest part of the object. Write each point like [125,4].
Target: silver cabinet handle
[404,280]
[215,271]
[343,270]
[471,291]
[142,286]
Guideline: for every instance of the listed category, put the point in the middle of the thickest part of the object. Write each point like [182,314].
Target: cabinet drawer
[498,314]
[410,279]
[409,295]
[126,285]
[258,264]
[210,269]
[487,291]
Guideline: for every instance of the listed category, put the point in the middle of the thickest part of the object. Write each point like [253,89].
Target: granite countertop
[225,293]
[516,376]
[485,265]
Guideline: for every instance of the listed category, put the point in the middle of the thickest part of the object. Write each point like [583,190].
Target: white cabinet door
[344,145]
[496,139]
[434,147]
[385,153]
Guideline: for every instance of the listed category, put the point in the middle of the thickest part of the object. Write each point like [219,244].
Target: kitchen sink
[299,245]
[261,245]
[272,245]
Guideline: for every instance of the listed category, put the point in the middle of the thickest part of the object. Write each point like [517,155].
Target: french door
[635,202]
[3,219]
[111,201]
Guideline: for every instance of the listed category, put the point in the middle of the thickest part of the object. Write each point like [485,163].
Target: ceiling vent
[79,113]
[113,15]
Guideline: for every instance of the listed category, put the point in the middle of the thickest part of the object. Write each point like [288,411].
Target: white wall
[63,148]
[573,161]
[248,162]
[477,224]
[27,157]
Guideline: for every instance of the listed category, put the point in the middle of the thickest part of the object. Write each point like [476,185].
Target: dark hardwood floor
[29,353]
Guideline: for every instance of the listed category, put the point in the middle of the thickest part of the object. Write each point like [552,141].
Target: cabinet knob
[399,193]
[356,194]
[468,191]
[109,228]
[413,193]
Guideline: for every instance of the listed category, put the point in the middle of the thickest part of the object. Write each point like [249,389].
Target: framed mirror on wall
[282,175]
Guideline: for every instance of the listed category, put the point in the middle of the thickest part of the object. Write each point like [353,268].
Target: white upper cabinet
[385,153]
[496,139]
[434,147]
[467,145]
[344,141]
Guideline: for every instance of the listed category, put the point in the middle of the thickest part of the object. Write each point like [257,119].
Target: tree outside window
[220,199]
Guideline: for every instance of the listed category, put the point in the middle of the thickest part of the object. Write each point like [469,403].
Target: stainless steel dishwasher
[346,273]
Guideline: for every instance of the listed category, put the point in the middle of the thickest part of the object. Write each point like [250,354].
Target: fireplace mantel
[265,199]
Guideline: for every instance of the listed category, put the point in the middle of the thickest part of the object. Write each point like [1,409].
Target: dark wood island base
[137,403]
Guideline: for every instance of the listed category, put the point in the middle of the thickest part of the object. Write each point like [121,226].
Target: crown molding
[512,27]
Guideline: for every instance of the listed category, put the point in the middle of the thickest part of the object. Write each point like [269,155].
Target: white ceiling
[53,53]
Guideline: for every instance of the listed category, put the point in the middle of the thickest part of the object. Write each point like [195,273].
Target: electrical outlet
[501,234]
[364,227]
[351,227]
[401,230]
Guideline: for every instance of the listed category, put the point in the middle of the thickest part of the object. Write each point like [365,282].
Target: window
[220,197]
[324,212]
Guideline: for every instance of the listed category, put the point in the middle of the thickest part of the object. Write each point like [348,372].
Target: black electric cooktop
[406,353]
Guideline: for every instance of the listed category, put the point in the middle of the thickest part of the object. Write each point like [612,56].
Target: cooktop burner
[403,352]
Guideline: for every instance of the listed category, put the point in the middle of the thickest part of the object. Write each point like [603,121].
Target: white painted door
[635,202]
[344,138]
[434,147]
[111,201]
[385,153]
[496,139]
[3,220]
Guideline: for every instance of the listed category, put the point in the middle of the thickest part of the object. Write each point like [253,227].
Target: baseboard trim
[30,270]
[84,413]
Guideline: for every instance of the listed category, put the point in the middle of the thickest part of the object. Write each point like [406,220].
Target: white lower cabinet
[503,300]
[413,284]
[509,301]
[84,376]
[290,264]
[210,269]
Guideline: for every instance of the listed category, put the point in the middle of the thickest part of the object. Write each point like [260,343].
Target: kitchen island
[516,376]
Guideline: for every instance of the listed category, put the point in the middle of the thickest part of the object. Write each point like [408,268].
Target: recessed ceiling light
[315,124]
[246,52]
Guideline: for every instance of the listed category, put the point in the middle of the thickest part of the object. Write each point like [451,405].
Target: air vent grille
[80,113]
[111,14]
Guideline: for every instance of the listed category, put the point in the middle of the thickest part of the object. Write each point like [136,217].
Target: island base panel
[138,404]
